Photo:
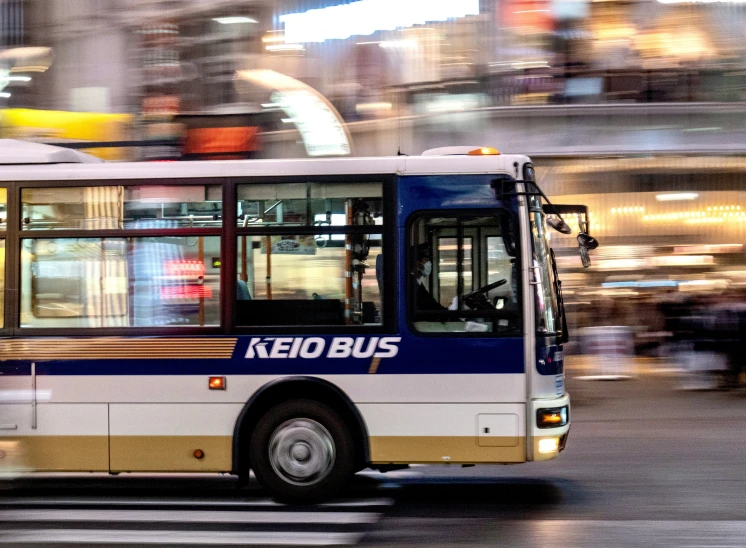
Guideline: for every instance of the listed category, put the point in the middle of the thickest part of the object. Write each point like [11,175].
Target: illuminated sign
[368,16]
[320,125]
[320,129]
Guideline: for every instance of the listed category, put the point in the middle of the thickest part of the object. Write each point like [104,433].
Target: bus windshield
[547,301]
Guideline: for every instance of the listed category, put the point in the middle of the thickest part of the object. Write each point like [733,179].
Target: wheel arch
[296,387]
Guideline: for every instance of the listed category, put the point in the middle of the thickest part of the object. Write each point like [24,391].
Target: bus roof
[14,152]
[400,165]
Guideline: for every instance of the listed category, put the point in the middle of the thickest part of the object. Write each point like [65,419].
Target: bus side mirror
[587,241]
[585,244]
[559,225]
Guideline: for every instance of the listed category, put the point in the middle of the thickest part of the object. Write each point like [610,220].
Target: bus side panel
[150,437]
[158,421]
[437,433]
[69,437]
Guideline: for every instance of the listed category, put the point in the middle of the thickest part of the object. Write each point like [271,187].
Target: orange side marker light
[484,151]
[217,383]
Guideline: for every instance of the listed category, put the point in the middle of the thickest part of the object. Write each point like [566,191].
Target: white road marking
[17,537]
[31,501]
[187,516]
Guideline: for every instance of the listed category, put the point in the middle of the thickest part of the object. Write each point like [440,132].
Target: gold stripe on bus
[118,454]
[440,449]
[116,348]
[56,453]
[171,453]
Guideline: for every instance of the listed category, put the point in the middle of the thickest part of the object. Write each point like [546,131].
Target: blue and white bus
[301,319]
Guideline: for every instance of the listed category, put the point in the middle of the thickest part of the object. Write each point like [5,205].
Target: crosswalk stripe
[189,516]
[72,501]
[18,537]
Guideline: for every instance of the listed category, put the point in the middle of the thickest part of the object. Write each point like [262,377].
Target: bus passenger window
[121,207]
[308,279]
[120,282]
[462,278]
[309,204]
[326,270]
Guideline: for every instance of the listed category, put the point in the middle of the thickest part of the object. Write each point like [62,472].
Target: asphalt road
[646,465]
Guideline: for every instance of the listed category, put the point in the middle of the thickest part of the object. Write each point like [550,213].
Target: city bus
[298,319]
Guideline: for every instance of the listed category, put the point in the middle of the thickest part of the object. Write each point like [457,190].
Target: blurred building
[672,232]
[377,58]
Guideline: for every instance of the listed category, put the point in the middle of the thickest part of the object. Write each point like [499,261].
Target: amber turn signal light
[198,454]
[552,418]
[217,383]
[484,151]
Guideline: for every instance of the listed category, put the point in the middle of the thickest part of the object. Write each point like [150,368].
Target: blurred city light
[234,20]
[677,196]
[365,17]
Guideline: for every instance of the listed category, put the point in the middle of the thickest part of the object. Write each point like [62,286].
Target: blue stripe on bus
[415,356]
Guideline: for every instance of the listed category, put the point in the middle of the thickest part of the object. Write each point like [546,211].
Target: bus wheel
[301,451]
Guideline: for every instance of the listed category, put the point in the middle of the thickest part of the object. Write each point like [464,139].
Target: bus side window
[309,253]
[462,277]
[92,282]
[303,280]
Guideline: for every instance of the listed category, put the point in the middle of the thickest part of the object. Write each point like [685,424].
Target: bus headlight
[553,417]
[549,445]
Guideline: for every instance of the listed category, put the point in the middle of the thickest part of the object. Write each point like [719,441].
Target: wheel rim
[301,451]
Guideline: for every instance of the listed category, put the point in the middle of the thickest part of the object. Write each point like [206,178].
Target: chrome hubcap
[301,451]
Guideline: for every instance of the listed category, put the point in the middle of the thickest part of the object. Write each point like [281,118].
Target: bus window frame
[14,242]
[227,232]
[389,320]
[410,264]
[5,234]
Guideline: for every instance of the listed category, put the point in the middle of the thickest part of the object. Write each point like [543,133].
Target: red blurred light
[186,292]
[185,268]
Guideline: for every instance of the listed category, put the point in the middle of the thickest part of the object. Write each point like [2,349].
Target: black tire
[301,413]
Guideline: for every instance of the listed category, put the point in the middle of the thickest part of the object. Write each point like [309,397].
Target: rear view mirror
[585,244]
[586,241]
[559,225]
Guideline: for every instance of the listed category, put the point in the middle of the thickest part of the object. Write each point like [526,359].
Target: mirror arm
[541,193]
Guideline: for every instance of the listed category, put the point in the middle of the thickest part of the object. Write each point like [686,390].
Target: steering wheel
[477,299]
